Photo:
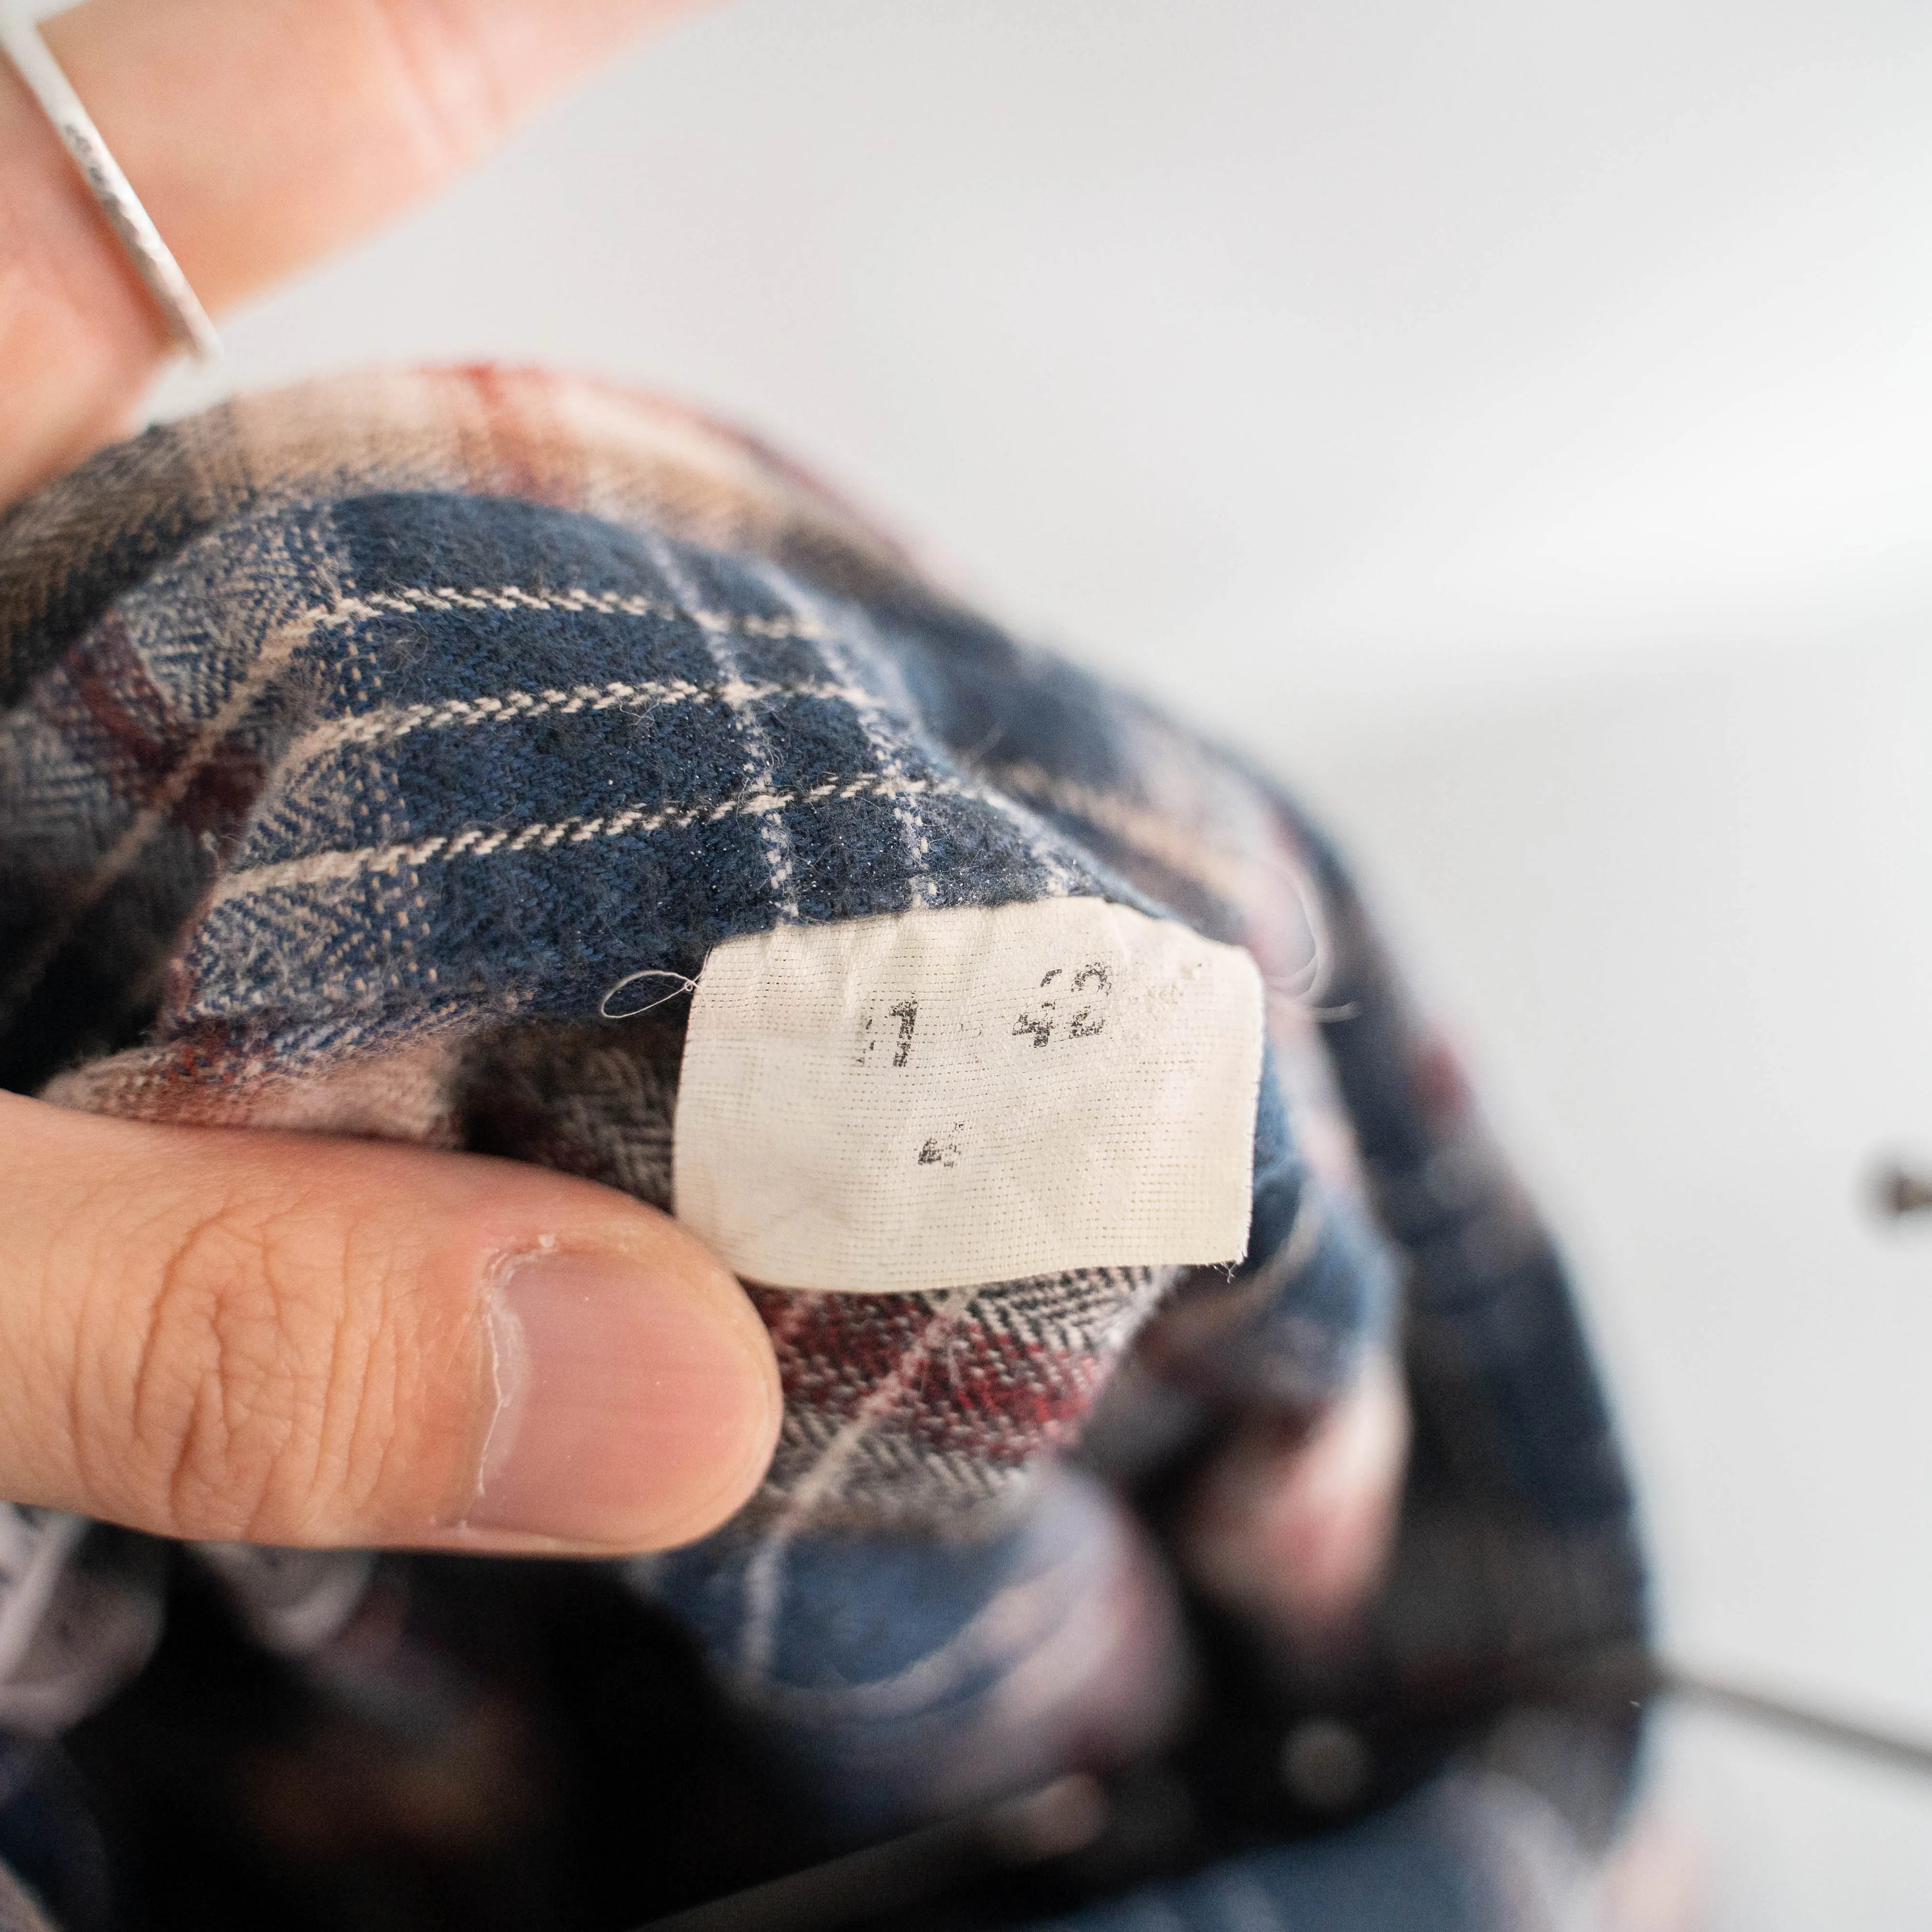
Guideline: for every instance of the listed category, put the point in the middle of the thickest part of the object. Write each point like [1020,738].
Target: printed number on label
[1086,993]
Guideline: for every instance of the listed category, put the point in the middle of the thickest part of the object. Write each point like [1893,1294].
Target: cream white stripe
[383,726]
[269,660]
[764,1575]
[760,767]
[480,842]
[598,603]
[873,719]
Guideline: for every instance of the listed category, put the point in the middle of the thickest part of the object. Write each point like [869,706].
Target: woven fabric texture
[363,744]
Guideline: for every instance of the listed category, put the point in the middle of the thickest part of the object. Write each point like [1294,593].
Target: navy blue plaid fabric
[362,746]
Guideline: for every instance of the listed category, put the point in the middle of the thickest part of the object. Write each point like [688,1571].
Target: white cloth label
[933,1099]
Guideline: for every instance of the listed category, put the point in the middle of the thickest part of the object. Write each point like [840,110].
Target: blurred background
[1510,420]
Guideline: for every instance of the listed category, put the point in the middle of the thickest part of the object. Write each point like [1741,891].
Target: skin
[212,1333]
[209,1333]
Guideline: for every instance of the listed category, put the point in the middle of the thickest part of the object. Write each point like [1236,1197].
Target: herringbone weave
[375,754]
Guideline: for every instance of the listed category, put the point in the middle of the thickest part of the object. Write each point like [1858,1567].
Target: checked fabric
[366,749]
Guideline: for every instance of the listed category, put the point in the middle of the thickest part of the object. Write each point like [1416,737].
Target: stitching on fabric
[1226,875]
[254,681]
[480,841]
[577,601]
[385,726]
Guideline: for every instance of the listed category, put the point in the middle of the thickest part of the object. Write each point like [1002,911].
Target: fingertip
[636,1409]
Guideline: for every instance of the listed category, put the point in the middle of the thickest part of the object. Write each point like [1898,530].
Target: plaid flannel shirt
[359,741]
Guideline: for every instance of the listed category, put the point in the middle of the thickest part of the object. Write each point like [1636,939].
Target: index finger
[259,134]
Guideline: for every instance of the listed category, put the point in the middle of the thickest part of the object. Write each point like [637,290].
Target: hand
[210,1333]
[260,135]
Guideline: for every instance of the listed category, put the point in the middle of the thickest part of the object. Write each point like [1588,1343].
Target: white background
[1512,420]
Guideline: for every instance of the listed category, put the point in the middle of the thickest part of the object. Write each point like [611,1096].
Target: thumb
[207,1333]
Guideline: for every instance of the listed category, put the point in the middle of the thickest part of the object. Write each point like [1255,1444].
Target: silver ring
[186,319]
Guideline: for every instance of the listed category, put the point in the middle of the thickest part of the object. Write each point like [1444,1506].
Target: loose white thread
[680,985]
